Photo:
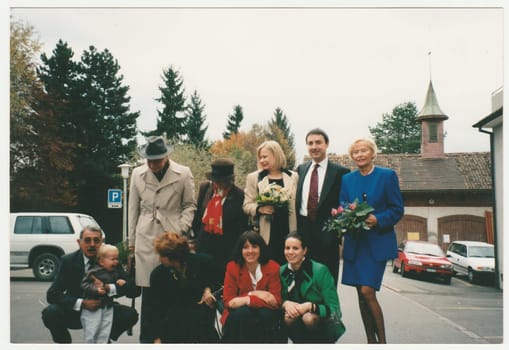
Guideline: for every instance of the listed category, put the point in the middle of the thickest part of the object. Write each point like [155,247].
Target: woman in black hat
[219,219]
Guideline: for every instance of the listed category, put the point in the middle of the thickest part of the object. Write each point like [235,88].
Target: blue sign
[114,198]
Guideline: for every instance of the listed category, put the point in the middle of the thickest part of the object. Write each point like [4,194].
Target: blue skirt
[363,270]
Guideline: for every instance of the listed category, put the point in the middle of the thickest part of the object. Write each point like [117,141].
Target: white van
[38,240]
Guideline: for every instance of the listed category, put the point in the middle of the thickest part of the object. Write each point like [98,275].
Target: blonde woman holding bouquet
[269,198]
[365,252]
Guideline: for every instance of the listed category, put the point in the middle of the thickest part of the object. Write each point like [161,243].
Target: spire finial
[429,59]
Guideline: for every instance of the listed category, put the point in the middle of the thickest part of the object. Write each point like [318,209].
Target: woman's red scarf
[213,215]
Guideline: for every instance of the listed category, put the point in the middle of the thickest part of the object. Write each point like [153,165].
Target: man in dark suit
[65,294]
[316,195]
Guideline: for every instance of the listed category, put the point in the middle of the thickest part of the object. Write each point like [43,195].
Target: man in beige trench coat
[161,198]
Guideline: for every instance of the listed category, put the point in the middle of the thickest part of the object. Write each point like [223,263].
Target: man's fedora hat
[222,169]
[155,148]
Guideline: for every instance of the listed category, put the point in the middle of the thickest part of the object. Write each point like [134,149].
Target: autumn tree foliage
[197,158]
[40,160]
[24,86]
[75,130]
[241,149]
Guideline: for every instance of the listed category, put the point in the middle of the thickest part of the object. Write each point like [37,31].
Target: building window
[433,132]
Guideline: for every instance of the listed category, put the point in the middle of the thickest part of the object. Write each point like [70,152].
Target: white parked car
[38,240]
[472,258]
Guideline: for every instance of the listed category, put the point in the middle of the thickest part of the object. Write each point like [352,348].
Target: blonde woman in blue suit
[365,253]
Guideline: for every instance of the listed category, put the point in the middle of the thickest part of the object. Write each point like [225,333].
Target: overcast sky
[339,69]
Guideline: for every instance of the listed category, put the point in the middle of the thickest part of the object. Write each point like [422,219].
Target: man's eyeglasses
[89,240]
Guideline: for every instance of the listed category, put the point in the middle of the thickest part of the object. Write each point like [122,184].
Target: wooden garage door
[461,227]
[413,224]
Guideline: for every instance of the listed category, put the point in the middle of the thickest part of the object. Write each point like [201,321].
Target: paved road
[419,311]
[416,312]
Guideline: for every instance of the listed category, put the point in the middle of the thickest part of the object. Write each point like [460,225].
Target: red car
[422,258]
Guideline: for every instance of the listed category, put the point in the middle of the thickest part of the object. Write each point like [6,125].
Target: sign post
[124,172]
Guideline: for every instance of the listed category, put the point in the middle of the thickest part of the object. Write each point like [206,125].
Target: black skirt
[253,325]
[191,323]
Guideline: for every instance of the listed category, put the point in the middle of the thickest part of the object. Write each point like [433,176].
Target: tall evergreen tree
[110,126]
[195,120]
[233,123]
[281,121]
[399,132]
[59,74]
[96,118]
[108,129]
[279,130]
[171,119]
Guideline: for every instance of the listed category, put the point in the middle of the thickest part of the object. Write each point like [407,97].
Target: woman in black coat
[219,219]
[180,304]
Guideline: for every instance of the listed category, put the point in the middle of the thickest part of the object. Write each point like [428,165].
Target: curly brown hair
[172,245]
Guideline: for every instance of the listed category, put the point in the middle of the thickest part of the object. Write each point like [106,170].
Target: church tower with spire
[432,119]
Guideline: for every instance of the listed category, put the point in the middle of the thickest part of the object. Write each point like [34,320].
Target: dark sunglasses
[89,240]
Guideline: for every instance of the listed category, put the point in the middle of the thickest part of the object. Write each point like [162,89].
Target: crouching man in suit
[65,294]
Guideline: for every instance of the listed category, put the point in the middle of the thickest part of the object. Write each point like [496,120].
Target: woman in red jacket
[252,294]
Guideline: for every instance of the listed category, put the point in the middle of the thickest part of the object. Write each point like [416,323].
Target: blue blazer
[381,190]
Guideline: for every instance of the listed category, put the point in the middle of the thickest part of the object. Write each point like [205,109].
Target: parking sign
[114,198]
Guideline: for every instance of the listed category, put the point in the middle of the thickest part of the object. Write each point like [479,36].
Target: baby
[101,282]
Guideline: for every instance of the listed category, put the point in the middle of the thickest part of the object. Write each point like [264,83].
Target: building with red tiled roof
[448,196]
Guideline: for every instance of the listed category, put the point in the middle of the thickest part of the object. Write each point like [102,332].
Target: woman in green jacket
[312,313]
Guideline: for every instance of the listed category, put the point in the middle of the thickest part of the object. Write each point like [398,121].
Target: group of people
[270,270]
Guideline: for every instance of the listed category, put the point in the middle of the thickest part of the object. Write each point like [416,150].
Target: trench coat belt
[152,213]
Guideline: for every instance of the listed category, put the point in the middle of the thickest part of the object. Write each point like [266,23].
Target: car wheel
[447,279]
[471,275]
[45,267]
[402,270]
